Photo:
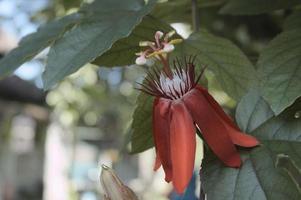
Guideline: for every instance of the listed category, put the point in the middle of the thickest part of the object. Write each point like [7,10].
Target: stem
[195,15]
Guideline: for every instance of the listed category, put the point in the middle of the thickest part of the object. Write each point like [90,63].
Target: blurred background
[53,143]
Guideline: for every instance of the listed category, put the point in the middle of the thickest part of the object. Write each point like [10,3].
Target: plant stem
[195,15]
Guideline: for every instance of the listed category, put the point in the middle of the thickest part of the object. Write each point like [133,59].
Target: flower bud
[113,187]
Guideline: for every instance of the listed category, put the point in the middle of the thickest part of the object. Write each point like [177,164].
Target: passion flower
[180,106]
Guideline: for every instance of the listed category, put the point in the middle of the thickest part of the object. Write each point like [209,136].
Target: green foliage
[141,136]
[252,111]
[253,7]
[232,68]
[293,21]
[286,126]
[279,70]
[34,43]
[175,11]
[107,33]
[260,177]
[104,23]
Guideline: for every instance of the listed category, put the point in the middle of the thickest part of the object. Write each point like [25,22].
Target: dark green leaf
[293,21]
[232,68]
[142,138]
[252,111]
[279,68]
[105,22]
[258,179]
[123,51]
[34,43]
[251,7]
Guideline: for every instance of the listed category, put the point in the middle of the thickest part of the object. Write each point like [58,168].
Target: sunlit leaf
[34,43]
[105,22]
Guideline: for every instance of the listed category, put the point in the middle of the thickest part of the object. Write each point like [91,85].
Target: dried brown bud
[113,187]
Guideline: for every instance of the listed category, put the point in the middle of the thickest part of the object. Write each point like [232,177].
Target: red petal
[212,127]
[182,144]
[217,107]
[241,139]
[157,164]
[161,121]
[234,132]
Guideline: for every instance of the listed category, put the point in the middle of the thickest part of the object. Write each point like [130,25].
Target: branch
[195,15]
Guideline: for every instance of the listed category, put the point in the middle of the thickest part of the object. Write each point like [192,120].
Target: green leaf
[253,7]
[123,51]
[293,21]
[286,126]
[252,111]
[142,137]
[105,22]
[279,68]
[34,43]
[233,70]
[259,178]
[263,174]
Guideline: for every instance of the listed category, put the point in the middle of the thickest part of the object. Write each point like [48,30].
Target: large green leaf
[252,111]
[267,170]
[293,21]
[279,68]
[286,126]
[105,22]
[123,51]
[251,7]
[34,43]
[233,70]
[260,178]
[141,129]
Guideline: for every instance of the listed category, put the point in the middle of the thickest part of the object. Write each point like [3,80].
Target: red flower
[180,104]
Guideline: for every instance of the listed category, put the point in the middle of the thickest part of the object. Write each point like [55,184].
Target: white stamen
[175,87]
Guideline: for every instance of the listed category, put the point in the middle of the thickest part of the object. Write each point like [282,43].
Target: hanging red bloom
[179,104]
